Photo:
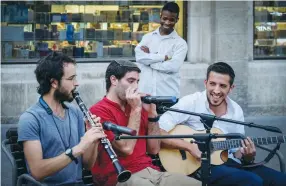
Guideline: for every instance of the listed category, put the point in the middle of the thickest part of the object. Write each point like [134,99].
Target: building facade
[238,33]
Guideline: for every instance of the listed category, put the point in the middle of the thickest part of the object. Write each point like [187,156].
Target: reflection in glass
[82,29]
[269,29]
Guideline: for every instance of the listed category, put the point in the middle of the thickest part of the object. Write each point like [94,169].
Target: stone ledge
[264,110]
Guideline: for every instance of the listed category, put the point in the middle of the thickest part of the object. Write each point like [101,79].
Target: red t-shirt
[103,170]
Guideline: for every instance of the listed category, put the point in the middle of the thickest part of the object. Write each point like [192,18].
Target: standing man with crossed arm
[160,55]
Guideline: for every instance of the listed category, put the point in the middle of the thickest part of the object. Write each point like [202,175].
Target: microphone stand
[209,119]
[205,139]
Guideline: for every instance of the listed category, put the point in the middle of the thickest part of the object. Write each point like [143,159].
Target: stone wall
[223,31]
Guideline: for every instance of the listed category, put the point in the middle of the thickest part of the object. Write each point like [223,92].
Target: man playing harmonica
[122,105]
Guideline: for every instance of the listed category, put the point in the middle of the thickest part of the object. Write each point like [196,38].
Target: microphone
[118,129]
[159,99]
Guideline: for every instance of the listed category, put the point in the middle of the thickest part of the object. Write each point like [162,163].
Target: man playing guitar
[214,100]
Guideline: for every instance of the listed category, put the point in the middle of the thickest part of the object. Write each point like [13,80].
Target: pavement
[277,121]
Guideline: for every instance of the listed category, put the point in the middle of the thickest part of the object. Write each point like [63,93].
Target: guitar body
[183,162]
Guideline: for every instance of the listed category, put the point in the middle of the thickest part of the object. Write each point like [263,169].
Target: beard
[121,92]
[122,96]
[216,104]
[62,95]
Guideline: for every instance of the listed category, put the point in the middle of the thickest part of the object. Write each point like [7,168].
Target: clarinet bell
[123,176]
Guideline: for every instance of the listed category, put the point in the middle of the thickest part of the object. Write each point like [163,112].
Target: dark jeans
[231,174]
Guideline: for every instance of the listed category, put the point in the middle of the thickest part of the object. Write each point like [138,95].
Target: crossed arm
[143,55]
[161,62]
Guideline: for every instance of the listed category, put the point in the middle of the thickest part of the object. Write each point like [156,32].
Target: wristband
[156,119]
[247,162]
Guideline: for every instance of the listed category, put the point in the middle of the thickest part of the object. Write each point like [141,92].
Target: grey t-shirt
[54,134]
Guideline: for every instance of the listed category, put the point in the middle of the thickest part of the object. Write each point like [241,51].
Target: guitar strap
[269,156]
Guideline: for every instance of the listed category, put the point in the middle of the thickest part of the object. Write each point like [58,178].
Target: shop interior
[83,29]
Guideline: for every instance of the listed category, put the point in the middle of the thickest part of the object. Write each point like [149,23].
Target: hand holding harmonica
[133,98]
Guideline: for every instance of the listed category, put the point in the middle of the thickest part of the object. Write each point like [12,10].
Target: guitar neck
[235,143]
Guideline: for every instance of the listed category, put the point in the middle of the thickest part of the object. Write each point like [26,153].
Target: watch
[69,154]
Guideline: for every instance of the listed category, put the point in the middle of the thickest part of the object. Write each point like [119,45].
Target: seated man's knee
[251,178]
[179,179]
[135,180]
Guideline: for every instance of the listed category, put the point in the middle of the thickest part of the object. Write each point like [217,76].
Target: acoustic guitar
[180,161]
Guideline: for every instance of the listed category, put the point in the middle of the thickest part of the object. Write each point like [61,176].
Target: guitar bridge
[183,154]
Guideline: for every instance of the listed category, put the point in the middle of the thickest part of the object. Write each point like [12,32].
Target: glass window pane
[81,29]
[269,29]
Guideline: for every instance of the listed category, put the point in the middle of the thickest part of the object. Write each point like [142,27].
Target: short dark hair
[222,68]
[171,7]
[119,68]
[50,67]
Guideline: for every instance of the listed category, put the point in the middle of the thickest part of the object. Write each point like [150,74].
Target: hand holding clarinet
[93,133]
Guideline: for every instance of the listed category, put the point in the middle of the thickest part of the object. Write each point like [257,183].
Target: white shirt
[159,77]
[198,103]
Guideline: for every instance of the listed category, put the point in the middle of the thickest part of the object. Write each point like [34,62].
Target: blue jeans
[229,174]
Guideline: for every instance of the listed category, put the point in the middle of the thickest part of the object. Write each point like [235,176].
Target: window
[269,29]
[81,29]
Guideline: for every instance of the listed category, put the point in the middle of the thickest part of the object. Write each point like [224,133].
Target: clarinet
[122,174]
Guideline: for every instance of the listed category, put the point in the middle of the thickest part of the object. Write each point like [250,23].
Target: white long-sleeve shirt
[198,103]
[159,77]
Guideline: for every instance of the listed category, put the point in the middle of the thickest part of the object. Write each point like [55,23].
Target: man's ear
[205,83]
[113,80]
[231,88]
[177,20]
[54,83]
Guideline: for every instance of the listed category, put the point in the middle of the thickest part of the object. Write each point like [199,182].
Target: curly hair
[50,67]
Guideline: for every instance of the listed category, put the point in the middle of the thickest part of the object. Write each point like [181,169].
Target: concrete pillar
[200,31]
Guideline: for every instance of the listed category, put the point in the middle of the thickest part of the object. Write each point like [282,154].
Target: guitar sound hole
[183,154]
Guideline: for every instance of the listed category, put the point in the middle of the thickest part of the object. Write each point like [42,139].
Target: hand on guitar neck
[247,152]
